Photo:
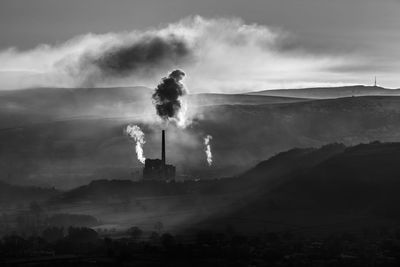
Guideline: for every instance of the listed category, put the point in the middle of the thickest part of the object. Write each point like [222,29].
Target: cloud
[225,55]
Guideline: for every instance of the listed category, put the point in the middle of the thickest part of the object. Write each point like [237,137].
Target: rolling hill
[330,92]
[330,188]
[13,195]
[66,138]
[353,188]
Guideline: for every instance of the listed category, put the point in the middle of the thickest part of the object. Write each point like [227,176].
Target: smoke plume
[144,56]
[167,97]
[222,55]
[137,134]
[207,149]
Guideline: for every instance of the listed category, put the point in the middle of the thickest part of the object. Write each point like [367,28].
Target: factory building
[157,169]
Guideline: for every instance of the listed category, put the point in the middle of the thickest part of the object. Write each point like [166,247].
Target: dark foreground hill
[328,188]
[304,189]
[328,206]
[348,188]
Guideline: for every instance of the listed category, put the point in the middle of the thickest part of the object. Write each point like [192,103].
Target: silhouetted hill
[352,187]
[330,92]
[11,195]
[264,174]
[328,187]
[103,190]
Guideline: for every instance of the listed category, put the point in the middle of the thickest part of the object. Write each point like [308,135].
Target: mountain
[330,92]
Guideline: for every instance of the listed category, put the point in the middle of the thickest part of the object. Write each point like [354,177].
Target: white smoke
[221,54]
[183,119]
[207,149]
[137,134]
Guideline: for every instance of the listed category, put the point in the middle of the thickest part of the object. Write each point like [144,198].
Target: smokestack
[163,147]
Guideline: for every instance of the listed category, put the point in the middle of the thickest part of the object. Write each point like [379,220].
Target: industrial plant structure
[156,169]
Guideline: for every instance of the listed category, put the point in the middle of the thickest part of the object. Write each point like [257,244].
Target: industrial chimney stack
[156,169]
[163,148]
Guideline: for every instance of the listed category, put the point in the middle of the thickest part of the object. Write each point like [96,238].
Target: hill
[41,105]
[330,92]
[67,137]
[70,152]
[183,204]
[330,188]
[355,188]
[14,195]
[238,99]
[25,107]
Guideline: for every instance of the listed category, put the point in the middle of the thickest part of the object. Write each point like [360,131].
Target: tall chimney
[163,147]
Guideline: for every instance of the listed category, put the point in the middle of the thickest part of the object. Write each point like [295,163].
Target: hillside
[68,137]
[71,152]
[321,189]
[355,188]
[13,195]
[238,99]
[42,105]
[21,108]
[265,173]
[183,204]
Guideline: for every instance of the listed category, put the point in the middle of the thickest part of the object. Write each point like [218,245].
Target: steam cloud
[167,97]
[222,55]
[137,134]
[207,149]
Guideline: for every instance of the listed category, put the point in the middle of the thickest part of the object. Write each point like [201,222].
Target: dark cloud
[141,57]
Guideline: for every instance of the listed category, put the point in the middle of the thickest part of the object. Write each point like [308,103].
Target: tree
[167,240]
[82,234]
[52,234]
[35,208]
[158,226]
[154,237]
[135,232]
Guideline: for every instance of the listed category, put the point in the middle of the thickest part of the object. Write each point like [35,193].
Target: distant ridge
[239,99]
[12,194]
[329,92]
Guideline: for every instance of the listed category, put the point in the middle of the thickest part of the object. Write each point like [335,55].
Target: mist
[219,55]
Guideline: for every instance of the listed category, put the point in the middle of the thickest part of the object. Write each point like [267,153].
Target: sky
[350,41]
